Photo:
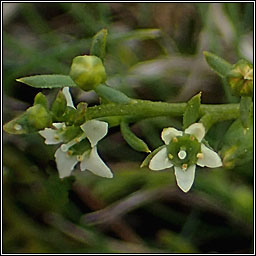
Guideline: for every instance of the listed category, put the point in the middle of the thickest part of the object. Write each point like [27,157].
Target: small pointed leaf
[191,113]
[59,106]
[111,94]
[217,64]
[41,99]
[134,142]
[48,81]
[98,47]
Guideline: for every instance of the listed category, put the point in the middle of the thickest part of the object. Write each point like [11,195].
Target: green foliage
[111,95]
[217,64]
[192,111]
[41,99]
[59,106]
[98,47]
[138,34]
[133,141]
[48,81]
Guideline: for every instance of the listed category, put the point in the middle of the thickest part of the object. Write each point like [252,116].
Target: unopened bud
[240,79]
[38,117]
[87,72]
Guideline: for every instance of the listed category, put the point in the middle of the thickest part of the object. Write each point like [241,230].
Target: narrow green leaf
[134,142]
[48,81]
[98,47]
[111,94]
[217,64]
[191,113]
[138,34]
[245,107]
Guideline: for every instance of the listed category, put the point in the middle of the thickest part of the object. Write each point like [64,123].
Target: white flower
[184,151]
[53,136]
[93,130]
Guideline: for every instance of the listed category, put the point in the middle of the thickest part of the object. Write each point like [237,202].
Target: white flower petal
[160,161]
[185,178]
[196,129]
[94,163]
[65,163]
[95,130]
[210,158]
[169,133]
[68,97]
[51,136]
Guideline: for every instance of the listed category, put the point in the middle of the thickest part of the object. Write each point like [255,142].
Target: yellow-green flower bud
[240,79]
[33,119]
[38,117]
[87,72]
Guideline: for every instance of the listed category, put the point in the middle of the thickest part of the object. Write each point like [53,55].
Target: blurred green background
[138,211]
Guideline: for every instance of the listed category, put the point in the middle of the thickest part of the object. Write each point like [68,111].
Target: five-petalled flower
[184,150]
[82,148]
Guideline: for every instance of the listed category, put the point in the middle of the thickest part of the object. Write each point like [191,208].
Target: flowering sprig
[184,150]
[79,129]
[82,148]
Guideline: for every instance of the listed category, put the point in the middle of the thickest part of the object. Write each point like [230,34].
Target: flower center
[182,154]
[183,151]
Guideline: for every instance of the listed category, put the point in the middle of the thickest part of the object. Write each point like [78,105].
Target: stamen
[192,137]
[79,158]
[200,155]
[170,156]
[70,152]
[175,139]
[182,154]
[184,167]
[65,147]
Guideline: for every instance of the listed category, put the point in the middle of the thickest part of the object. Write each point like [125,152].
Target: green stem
[145,109]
